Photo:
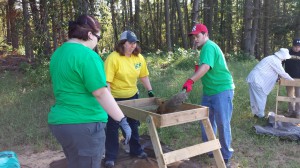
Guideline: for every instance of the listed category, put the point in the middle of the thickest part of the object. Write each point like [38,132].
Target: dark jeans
[112,136]
[83,144]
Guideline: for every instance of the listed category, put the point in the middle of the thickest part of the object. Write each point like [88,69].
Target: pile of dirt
[39,160]
[56,159]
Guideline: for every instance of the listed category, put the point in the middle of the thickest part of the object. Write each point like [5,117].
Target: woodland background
[35,28]
[30,30]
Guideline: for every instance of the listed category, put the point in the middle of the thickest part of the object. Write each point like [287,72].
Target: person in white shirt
[262,79]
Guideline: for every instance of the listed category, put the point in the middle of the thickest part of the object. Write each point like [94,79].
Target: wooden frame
[279,98]
[140,109]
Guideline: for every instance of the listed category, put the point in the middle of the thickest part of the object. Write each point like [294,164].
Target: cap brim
[193,33]
[133,41]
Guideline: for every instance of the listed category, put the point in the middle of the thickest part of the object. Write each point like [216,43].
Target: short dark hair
[119,47]
[82,25]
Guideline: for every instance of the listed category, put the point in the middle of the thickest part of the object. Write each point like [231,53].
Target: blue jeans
[220,112]
[112,136]
[83,144]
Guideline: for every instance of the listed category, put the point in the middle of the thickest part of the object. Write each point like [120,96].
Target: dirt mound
[40,160]
[126,161]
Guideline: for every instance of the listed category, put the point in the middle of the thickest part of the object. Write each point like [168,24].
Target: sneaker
[227,163]
[142,155]
[256,116]
[109,164]
[124,146]
[297,115]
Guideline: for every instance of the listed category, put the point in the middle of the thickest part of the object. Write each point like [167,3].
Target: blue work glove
[126,129]
[150,93]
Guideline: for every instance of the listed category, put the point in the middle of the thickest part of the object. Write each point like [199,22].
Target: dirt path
[39,160]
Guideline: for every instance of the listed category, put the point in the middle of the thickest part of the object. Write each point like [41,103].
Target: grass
[24,109]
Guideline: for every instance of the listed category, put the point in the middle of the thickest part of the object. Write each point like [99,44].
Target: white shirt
[266,72]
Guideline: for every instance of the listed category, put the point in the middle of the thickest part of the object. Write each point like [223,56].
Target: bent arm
[109,104]
[280,71]
[203,69]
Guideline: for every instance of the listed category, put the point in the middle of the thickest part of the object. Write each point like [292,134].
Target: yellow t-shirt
[123,72]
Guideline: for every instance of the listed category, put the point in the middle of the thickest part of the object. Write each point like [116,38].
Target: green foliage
[39,75]
[23,112]
[238,56]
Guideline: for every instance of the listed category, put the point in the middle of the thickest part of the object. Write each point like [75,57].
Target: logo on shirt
[137,65]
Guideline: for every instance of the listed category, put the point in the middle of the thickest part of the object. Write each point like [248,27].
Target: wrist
[150,93]
[190,81]
[122,120]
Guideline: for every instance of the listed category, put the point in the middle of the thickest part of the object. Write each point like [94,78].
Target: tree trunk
[55,23]
[124,14]
[12,14]
[195,13]
[222,24]
[228,28]
[35,14]
[208,16]
[160,21]
[44,28]
[297,31]
[113,18]
[27,31]
[259,43]
[266,27]
[215,16]
[81,7]
[254,26]
[4,20]
[194,16]
[183,36]
[186,23]
[175,29]
[62,35]
[152,24]
[137,19]
[8,26]
[91,7]
[130,13]
[246,43]
[167,18]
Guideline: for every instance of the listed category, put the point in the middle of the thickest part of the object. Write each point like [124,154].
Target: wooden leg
[211,136]
[155,142]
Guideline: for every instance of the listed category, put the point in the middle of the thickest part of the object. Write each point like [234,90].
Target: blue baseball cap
[129,36]
[296,42]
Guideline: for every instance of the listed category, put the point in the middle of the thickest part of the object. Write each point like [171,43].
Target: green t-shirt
[218,77]
[76,71]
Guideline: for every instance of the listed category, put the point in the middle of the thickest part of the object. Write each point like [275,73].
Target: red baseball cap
[198,28]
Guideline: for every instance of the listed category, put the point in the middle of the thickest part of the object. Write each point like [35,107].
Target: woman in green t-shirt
[79,116]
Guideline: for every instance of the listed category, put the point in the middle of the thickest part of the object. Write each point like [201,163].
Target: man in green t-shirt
[218,88]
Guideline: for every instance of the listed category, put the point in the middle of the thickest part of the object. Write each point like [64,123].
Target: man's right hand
[188,85]
[126,129]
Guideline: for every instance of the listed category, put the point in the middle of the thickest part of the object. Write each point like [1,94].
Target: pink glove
[196,67]
[188,85]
